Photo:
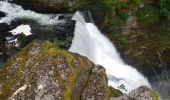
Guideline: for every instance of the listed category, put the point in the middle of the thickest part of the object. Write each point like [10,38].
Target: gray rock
[141,93]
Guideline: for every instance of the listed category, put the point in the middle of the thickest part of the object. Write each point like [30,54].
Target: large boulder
[40,71]
[141,93]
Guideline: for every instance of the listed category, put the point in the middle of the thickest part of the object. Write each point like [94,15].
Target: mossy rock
[141,93]
[42,71]
[96,85]
[114,92]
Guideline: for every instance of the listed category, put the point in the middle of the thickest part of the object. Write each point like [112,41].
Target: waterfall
[89,41]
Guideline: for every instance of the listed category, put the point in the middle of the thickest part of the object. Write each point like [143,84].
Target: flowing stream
[87,41]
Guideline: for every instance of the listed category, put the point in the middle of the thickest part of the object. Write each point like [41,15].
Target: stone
[97,88]
[2,41]
[4,27]
[2,14]
[141,93]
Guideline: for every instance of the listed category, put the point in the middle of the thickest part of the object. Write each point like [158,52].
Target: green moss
[114,92]
[49,49]
[154,95]
[9,83]
[73,75]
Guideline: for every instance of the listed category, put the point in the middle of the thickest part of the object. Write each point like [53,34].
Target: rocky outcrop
[141,93]
[40,71]
[96,85]
[4,27]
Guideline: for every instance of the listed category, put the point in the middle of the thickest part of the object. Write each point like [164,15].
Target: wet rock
[2,41]
[4,27]
[2,14]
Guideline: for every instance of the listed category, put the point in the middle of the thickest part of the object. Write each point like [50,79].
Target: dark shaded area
[2,14]
[27,5]
[4,27]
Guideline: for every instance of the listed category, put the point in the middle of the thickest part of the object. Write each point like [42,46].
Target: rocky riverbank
[41,71]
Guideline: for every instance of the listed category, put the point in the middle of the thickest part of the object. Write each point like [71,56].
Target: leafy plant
[122,87]
[62,43]
[118,20]
[22,39]
[148,14]
[164,10]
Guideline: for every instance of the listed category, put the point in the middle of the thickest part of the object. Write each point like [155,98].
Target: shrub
[148,14]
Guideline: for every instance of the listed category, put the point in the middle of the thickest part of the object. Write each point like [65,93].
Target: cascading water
[88,41]
[14,11]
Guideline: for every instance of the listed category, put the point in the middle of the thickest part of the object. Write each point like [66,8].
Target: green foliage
[22,39]
[148,14]
[162,42]
[154,95]
[113,5]
[165,26]
[62,43]
[122,87]
[152,13]
[117,11]
[118,20]
[110,5]
[122,40]
[164,9]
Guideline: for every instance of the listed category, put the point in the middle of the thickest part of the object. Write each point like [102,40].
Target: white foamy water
[14,11]
[25,29]
[89,41]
